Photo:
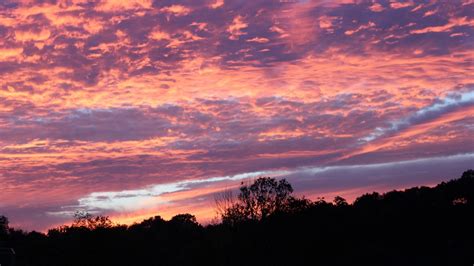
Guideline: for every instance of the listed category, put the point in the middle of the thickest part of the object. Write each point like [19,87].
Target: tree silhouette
[184,219]
[223,201]
[3,225]
[85,219]
[340,201]
[257,201]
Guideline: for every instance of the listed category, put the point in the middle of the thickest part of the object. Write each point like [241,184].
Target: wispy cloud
[440,107]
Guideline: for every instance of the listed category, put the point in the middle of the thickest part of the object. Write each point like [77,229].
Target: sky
[150,107]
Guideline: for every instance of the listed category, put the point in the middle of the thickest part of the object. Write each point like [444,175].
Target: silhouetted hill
[417,226]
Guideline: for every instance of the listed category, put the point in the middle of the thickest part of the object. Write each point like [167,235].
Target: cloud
[177,10]
[453,22]
[235,29]
[115,6]
[398,5]
[440,107]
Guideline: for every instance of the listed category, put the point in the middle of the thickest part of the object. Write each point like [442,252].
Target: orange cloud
[177,10]
[117,5]
[235,29]
[25,36]
[398,5]
[453,22]
[7,54]
[217,4]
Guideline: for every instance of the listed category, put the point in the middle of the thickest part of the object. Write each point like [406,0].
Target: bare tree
[224,200]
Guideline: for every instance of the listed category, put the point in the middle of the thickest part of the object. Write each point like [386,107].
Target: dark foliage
[3,225]
[418,226]
[256,202]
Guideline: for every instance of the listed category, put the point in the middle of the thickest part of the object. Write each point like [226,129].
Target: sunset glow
[139,108]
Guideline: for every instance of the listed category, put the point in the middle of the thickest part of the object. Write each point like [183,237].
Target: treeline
[265,225]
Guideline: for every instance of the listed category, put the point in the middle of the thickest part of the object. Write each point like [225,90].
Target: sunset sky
[149,107]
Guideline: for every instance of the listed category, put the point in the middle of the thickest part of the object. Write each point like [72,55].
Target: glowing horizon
[144,107]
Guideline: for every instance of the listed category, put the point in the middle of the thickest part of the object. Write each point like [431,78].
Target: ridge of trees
[266,225]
